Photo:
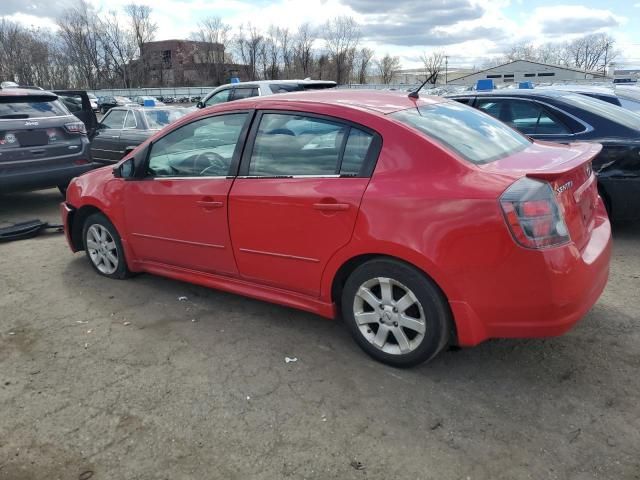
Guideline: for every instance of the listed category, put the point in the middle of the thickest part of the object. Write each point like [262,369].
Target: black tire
[435,314]
[100,221]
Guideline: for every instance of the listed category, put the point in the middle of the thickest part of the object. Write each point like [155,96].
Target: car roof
[257,83]
[15,92]
[594,89]
[379,101]
[518,92]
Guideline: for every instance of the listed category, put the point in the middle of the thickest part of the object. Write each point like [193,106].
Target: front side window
[292,145]
[220,97]
[203,148]
[476,137]
[114,119]
[159,118]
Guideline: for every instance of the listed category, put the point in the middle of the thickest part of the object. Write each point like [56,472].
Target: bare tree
[342,36]
[214,50]
[119,46]
[303,50]
[362,64]
[249,43]
[144,30]
[80,35]
[387,66]
[592,52]
[433,65]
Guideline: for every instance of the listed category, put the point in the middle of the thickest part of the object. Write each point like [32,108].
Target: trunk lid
[568,170]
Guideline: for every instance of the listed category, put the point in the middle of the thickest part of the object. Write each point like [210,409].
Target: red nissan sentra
[423,222]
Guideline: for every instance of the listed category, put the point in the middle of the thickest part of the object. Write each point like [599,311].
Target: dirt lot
[199,389]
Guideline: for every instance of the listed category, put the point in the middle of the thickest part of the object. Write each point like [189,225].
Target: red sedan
[423,222]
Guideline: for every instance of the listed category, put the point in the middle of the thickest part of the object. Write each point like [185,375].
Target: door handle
[331,207]
[207,204]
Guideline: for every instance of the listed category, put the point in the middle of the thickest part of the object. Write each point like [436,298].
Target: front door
[177,215]
[105,146]
[296,199]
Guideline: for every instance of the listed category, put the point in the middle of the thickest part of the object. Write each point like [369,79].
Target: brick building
[172,63]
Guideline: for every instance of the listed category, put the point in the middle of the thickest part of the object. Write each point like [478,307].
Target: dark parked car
[125,127]
[563,116]
[42,144]
[109,102]
[622,97]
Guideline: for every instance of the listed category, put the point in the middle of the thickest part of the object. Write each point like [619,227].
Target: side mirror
[124,170]
[200,104]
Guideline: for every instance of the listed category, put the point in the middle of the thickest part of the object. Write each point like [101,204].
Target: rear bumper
[44,177]
[544,296]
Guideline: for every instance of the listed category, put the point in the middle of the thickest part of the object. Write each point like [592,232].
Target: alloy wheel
[389,316]
[102,249]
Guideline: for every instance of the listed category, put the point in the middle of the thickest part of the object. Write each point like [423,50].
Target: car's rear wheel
[103,247]
[395,313]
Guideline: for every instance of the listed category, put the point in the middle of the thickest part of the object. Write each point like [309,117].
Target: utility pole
[446,69]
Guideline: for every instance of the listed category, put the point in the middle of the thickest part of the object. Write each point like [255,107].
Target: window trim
[235,158]
[368,165]
[130,112]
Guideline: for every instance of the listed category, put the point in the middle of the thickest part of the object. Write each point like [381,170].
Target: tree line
[593,52]
[93,50]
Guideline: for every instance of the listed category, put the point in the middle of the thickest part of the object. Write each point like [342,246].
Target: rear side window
[476,137]
[292,145]
[466,101]
[30,107]
[612,113]
[528,117]
[240,93]
[130,121]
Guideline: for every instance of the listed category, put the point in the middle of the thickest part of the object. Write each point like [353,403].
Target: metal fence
[202,91]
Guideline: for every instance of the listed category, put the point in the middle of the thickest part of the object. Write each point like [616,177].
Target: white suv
[237,91]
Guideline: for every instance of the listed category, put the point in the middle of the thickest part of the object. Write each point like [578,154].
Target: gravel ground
[108,379]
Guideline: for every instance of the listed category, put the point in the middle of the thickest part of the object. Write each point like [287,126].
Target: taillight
[76,127]
[533,214]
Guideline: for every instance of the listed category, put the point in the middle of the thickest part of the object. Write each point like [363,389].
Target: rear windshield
[616,114]
[477,137]
[30,107]
[159,118]
[298,87]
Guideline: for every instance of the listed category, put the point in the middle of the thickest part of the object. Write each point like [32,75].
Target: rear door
[105,147]
[78,103]
[295,201]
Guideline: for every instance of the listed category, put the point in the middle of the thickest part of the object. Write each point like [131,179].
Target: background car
[564,116]
[125,127]
[94,101]
[108,102]
[424,222]
[42,144]
[238,91]
[628,98]
[142,98]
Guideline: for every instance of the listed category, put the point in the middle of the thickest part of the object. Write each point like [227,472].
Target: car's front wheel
[103,247]
[395,313]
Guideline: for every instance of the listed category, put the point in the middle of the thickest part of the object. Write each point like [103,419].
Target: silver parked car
[237,91]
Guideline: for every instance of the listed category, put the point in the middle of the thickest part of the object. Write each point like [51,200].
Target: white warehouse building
[528,71]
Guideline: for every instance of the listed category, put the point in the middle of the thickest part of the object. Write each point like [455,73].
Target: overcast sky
[468,31]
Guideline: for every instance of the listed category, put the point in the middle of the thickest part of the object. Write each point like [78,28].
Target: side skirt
[240,287]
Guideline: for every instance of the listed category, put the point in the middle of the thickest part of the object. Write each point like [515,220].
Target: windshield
[160,118]
[31,107]
[477,137]
[616,114]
